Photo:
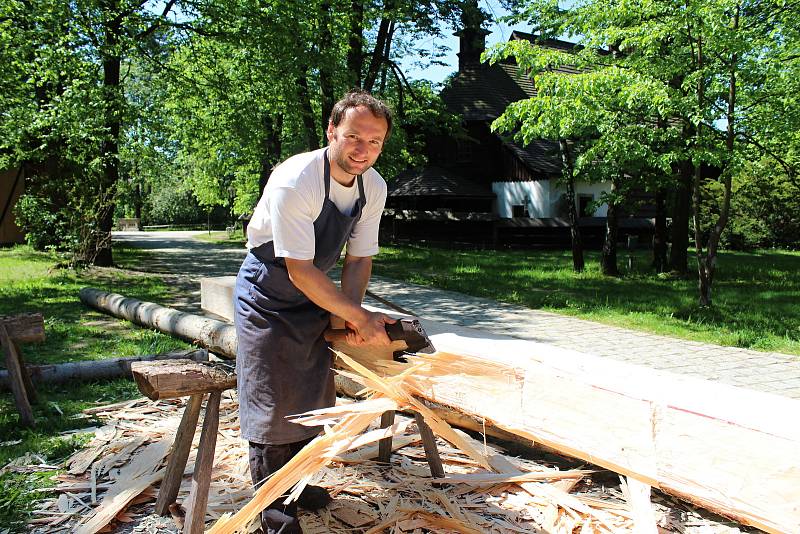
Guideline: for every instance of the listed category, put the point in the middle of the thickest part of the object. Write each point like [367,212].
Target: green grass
[30,282]
[755,295]
[237,240]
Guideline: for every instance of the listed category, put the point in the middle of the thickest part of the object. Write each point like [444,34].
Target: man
[314,203]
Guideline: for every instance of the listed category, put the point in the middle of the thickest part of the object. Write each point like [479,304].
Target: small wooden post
[16,377]
[201,479]
[385,445]
[14,329]
[429,443]
[168,491]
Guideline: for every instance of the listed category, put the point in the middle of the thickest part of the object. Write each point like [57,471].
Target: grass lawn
[29,282]
[755,295]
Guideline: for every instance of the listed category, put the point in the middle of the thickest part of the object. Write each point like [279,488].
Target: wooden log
[730,450]
[15,366]
[24,327]
[168,379]
[99,369]
[168,491]
[201,478]
[216,336]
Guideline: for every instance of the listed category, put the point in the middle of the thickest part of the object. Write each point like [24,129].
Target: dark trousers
[264,460]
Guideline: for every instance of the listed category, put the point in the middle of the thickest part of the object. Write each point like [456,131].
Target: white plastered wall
[541,197]
[534,195]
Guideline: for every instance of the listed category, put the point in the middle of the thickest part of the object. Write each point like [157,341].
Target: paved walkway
[179,253]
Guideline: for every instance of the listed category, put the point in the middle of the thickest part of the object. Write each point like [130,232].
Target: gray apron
[283,364]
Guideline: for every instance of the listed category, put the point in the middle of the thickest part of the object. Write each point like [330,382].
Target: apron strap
[327,176]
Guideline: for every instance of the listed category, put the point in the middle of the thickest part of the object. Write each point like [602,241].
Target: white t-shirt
[293,200]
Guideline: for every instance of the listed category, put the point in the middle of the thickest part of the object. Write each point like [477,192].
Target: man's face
[356,143]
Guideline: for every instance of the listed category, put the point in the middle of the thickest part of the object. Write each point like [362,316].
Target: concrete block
[216,296]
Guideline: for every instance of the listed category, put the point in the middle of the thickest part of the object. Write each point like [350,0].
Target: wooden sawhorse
[181,378]
[16,329]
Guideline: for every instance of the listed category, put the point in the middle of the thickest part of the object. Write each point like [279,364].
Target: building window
[519,210]
[583,205]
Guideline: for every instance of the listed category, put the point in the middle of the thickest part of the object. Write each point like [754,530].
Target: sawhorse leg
[18,378]
[201,478]
[428,443]
[385,445]
[180,454]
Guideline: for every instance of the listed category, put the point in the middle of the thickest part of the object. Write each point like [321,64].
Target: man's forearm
[369,327]
[322,292]
[356,272]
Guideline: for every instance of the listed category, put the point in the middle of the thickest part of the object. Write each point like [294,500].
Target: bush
[45,226]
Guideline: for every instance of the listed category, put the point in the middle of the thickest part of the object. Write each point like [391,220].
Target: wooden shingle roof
[435,181]
[540,156]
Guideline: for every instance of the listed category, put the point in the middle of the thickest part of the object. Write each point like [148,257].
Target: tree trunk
[355,51]
[705,271]
[377,53]
[307,113]
[98,248]
[608,258]
[707,266]
[387,51]
[326,66]
[271,152]
[660,235]
[574,230]
[681,209]
[216,336]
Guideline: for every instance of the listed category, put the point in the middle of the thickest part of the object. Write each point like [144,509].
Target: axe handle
[336,335]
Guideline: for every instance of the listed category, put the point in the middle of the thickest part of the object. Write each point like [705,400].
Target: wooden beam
[729,450]
[24,327]
[169,379]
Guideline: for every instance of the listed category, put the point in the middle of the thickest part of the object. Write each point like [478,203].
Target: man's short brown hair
[359,97]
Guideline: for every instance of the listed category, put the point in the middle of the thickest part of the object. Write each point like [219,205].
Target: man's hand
[371,330]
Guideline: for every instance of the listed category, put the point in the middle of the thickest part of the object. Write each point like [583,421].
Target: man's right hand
[370,330]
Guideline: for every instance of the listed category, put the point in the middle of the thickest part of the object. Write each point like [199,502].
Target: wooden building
[528,206]
[12,184]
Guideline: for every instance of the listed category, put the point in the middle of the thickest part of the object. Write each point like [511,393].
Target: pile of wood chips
[113,482]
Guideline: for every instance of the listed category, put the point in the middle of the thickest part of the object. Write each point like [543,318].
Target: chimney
[471,37]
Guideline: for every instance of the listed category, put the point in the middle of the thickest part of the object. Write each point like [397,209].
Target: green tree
[705,70]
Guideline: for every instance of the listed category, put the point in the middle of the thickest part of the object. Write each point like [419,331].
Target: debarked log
[97,369]
[216,336]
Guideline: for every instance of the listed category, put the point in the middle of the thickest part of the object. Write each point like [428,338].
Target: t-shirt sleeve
[292,224]
[363,239]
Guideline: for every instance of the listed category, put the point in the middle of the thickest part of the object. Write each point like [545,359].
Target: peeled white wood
[730,450]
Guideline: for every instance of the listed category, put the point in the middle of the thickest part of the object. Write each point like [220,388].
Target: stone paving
[771,372]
